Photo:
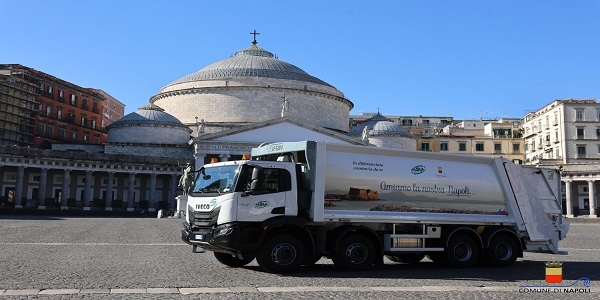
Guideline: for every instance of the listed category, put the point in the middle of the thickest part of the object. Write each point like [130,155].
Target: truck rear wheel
[355,252]
[232,260]
[281,253]
[502,252]
[462,251]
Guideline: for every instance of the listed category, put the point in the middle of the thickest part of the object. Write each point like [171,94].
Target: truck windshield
[219,179]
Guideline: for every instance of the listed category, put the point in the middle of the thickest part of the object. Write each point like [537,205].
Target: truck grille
[198,218]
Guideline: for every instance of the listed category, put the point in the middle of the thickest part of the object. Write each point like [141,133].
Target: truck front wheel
[355,252]
[462,251]
[231,260]
[281,253]
[502,252]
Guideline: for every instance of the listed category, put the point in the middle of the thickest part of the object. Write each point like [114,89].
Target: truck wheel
[408,258]
[462,251]
[502,252]
[232,260]
[281,254]
[355,252]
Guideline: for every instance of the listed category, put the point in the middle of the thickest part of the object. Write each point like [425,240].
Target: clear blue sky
[466,59]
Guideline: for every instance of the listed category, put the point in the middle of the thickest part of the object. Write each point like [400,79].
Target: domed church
[253,97]
[253,85]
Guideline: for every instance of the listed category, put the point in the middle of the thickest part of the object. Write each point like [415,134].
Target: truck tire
[355,252]
[408,258]
[232,260]
[281,253]
[462,252]
[502,252]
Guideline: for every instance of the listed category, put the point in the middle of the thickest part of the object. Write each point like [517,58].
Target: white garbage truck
[293,203]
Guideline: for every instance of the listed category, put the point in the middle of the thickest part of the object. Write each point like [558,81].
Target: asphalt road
[46,257]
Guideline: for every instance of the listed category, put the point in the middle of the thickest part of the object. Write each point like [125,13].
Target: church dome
[379,125]
[147,115]
[253,61]
[248,87]
[145,125]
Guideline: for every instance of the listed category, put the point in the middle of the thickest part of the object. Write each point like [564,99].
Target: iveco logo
[275,147]
[202,206]
[418,169]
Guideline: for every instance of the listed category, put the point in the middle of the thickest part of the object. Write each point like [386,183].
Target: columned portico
[109,192]
[87,192]
[152,196]
[130,192]
[19,187]
[41,197]
[66,186]
[568,194]
[592,198]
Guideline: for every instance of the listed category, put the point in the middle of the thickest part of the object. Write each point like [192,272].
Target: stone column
[109,192]
[64,198]
[592,198]
[130,191]
[87,192]
[224,157]
[568,193]
[173,192]
[42,188]
[152,198]
[19,187]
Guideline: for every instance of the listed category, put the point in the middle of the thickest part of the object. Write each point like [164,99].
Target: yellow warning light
[214,160]
[245,156]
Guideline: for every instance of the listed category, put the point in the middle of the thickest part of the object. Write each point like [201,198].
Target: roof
[379,125]
[253,61]
[148,115]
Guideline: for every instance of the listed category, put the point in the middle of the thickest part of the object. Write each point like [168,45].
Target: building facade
[565,134]
[18,107]
[112,109]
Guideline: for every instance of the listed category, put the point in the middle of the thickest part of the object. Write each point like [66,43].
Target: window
[580,133]
[59,113]
[557,153]
[598,133]
[526,147]
[61,95]
[86,138]
[41,129]
[516,148]
[425,147]
[96,140]
[95,106]
[50,131]
[61,133]
[581,151]
[74,136]
[93,123]
[48,110]
[497,148]
[462,146]
[83,120]
[579,115]
[406,122]
[444,146]
[73,100]
[479,147]
[532,145]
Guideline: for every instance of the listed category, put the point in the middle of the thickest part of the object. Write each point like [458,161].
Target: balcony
[498,152]
[581,155]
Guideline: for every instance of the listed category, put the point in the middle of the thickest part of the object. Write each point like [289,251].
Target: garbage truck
[292,203]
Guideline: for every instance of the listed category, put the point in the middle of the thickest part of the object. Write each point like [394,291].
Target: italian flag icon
[554,272]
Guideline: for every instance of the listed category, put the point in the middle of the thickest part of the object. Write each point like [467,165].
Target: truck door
[265,193]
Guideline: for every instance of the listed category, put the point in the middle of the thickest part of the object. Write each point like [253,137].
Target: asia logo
[418,169]
[554,276]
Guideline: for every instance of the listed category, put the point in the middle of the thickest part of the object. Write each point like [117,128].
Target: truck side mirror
[257,179]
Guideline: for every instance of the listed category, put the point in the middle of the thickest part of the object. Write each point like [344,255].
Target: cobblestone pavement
[48,257]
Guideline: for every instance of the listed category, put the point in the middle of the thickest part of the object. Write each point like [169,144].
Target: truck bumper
[223,238]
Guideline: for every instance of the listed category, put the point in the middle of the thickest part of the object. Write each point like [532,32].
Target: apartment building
[566,134]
